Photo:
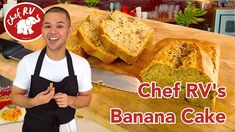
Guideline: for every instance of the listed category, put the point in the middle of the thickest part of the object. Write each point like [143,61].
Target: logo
[23,22]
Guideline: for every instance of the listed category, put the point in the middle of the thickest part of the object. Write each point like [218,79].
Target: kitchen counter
[81,123]
[105,98]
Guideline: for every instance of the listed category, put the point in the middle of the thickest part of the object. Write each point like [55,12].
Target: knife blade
[114,80]
[19,54]
[13,50]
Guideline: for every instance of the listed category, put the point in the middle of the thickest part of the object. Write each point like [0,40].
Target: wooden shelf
[165,20]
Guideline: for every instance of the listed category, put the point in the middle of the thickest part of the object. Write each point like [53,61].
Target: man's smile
[53,39]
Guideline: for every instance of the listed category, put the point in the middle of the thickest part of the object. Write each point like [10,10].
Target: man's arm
[19,97]
[83,100]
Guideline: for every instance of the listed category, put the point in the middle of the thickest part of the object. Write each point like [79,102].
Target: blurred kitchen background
[210,15]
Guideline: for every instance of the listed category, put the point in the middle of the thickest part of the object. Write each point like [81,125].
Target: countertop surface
[84,125]
[105,98]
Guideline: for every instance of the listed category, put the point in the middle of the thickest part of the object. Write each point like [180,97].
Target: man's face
[55,30]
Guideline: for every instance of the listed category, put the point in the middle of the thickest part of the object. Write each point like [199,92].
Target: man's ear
[70,30]
[42,29]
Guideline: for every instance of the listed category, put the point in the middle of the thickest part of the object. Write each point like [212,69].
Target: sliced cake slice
[125,36]
[72,42]
[88,35]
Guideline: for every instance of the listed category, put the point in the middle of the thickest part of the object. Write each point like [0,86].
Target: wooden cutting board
[105,98]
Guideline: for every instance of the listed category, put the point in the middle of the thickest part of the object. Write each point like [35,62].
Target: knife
[114,80]
[16,51]
[13,50]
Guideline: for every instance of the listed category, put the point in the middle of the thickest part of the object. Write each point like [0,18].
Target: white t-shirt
[55,71]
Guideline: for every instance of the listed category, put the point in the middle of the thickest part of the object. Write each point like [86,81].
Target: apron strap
[41,57]
[39,62]
[69,63]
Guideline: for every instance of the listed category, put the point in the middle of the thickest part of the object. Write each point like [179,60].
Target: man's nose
[53,30]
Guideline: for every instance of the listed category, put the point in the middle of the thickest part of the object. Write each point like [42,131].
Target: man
[52,108]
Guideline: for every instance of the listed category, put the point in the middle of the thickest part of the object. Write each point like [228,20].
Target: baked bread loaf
[125,36]
[185,60]
[72,42]
[88,35]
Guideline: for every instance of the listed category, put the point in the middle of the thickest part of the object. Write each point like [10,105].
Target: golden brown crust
[91,49]
[79,51]
[213,53]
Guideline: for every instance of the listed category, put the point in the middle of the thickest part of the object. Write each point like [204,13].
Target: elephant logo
[23,22]
[24,26]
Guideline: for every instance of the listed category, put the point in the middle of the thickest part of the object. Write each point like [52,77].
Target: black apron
[48,117]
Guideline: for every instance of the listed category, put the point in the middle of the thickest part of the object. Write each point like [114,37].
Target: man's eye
[60,26]
[47,26]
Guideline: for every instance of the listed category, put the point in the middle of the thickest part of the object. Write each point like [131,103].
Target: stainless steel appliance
[225,21]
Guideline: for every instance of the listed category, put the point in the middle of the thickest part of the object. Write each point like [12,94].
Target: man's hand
[43,97]
[62,99]
[18,96]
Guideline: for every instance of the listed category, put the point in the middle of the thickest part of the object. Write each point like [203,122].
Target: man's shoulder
[78,59]
[31,57]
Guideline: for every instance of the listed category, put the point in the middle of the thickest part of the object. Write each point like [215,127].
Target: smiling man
[51,83]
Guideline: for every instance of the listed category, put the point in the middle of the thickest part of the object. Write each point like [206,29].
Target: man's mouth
[53,39]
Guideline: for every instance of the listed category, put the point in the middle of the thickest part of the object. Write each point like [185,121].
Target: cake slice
[88,35]
[125,36]
[184,60]
[72,42]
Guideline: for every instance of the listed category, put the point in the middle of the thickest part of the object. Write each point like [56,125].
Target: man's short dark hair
[59,10]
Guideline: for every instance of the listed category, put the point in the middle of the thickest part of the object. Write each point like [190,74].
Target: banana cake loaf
[185,60]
